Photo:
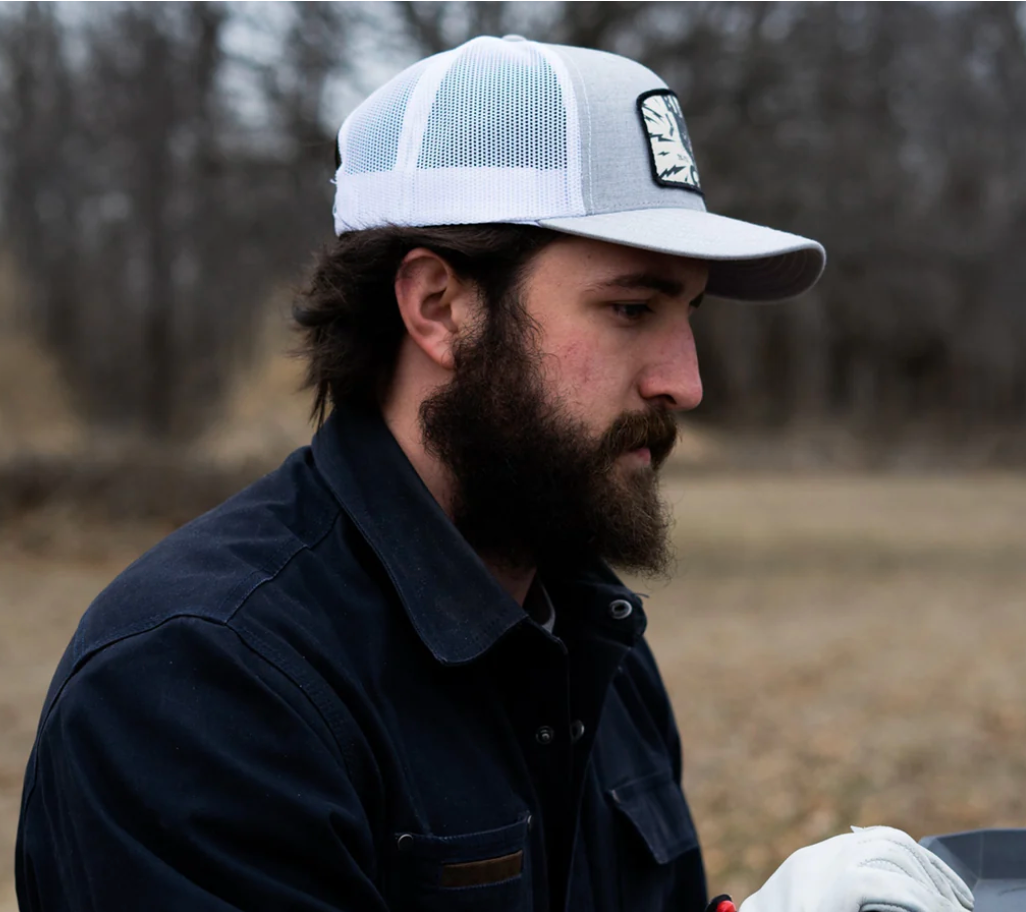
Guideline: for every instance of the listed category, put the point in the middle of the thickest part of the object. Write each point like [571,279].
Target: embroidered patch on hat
[673,162]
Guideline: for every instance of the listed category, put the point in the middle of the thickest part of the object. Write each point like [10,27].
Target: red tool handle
[722,903]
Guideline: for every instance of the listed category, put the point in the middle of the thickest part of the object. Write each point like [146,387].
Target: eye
[632,312]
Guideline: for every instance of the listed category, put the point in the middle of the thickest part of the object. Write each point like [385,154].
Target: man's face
[561,407]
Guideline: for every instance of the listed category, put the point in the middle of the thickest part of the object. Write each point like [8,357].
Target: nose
[672,378]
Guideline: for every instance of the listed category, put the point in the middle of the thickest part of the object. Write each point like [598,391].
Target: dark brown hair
[347,315]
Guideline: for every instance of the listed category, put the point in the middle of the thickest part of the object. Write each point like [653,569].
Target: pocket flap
[485,871]
[465,847]
[656,807]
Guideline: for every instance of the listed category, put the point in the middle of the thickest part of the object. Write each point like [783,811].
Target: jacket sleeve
[178,769]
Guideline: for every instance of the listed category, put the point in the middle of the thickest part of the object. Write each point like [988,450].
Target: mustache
[655,430]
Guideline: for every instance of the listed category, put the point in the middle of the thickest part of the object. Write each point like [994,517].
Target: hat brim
[746,262]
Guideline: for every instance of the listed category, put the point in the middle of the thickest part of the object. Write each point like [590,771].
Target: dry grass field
[845,650]
[840,649]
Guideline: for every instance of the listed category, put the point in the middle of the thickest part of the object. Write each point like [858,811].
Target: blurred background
[843,634]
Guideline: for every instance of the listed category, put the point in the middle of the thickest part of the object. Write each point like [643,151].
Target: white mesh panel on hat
[489,134]
[512,81]
[369,139]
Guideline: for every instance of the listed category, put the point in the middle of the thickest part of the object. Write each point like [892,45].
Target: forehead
[582,264]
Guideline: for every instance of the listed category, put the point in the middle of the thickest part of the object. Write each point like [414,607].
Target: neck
[402,416]
[516,581]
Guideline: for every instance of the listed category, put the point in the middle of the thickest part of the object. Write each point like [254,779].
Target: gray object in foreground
[991,862]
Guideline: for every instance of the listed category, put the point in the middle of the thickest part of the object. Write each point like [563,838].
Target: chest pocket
[471,872]
[659,860]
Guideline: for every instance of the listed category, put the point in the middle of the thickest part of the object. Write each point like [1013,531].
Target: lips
[661,447]
[653,431]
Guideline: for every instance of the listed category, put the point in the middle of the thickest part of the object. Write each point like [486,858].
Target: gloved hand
[876,869]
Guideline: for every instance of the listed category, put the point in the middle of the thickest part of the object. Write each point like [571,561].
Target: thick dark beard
[532,486]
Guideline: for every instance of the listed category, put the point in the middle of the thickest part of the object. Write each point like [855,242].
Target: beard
[532,485]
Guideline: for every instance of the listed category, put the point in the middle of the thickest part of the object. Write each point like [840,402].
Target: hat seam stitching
[589,205]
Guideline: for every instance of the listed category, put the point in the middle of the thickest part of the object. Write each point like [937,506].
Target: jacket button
[404,842]
[620,609]
[544,735]
[576,730]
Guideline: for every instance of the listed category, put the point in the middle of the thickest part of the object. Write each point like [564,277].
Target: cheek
[581,373]
[576,365]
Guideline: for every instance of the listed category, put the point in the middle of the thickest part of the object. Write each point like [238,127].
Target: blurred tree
[150,224]
[151,209]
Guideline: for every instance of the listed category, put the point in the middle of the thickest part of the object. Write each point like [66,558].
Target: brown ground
[842,649]
[846,651]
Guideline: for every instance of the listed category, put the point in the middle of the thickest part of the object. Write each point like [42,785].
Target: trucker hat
[576,140]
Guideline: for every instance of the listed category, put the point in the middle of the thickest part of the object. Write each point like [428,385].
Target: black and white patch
[673,162]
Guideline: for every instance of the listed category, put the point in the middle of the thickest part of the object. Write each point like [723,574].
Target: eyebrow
[634,280]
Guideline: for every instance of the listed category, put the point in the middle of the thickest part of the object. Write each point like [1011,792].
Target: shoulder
[210,566]
[273,594]
[266,569]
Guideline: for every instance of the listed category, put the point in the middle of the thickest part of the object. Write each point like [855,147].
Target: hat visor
[746,262]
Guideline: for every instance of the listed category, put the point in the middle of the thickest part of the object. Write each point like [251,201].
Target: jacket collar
[457,607]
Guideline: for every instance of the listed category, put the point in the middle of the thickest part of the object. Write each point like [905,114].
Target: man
[398,673]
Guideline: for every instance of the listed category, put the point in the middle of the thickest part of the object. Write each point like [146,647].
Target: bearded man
[398,673]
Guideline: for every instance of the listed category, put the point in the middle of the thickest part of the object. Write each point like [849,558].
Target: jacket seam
[269,660]
[153,621]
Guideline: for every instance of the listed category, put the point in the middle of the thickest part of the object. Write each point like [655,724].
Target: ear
[434,302]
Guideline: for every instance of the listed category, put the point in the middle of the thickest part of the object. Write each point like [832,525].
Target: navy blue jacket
[316,697]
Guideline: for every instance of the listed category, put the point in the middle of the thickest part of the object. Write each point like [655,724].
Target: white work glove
[876,869]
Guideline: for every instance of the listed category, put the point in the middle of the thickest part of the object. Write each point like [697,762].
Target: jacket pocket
[658,847]
[471,872]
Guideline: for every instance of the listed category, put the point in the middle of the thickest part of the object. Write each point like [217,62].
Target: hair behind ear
[347,317]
